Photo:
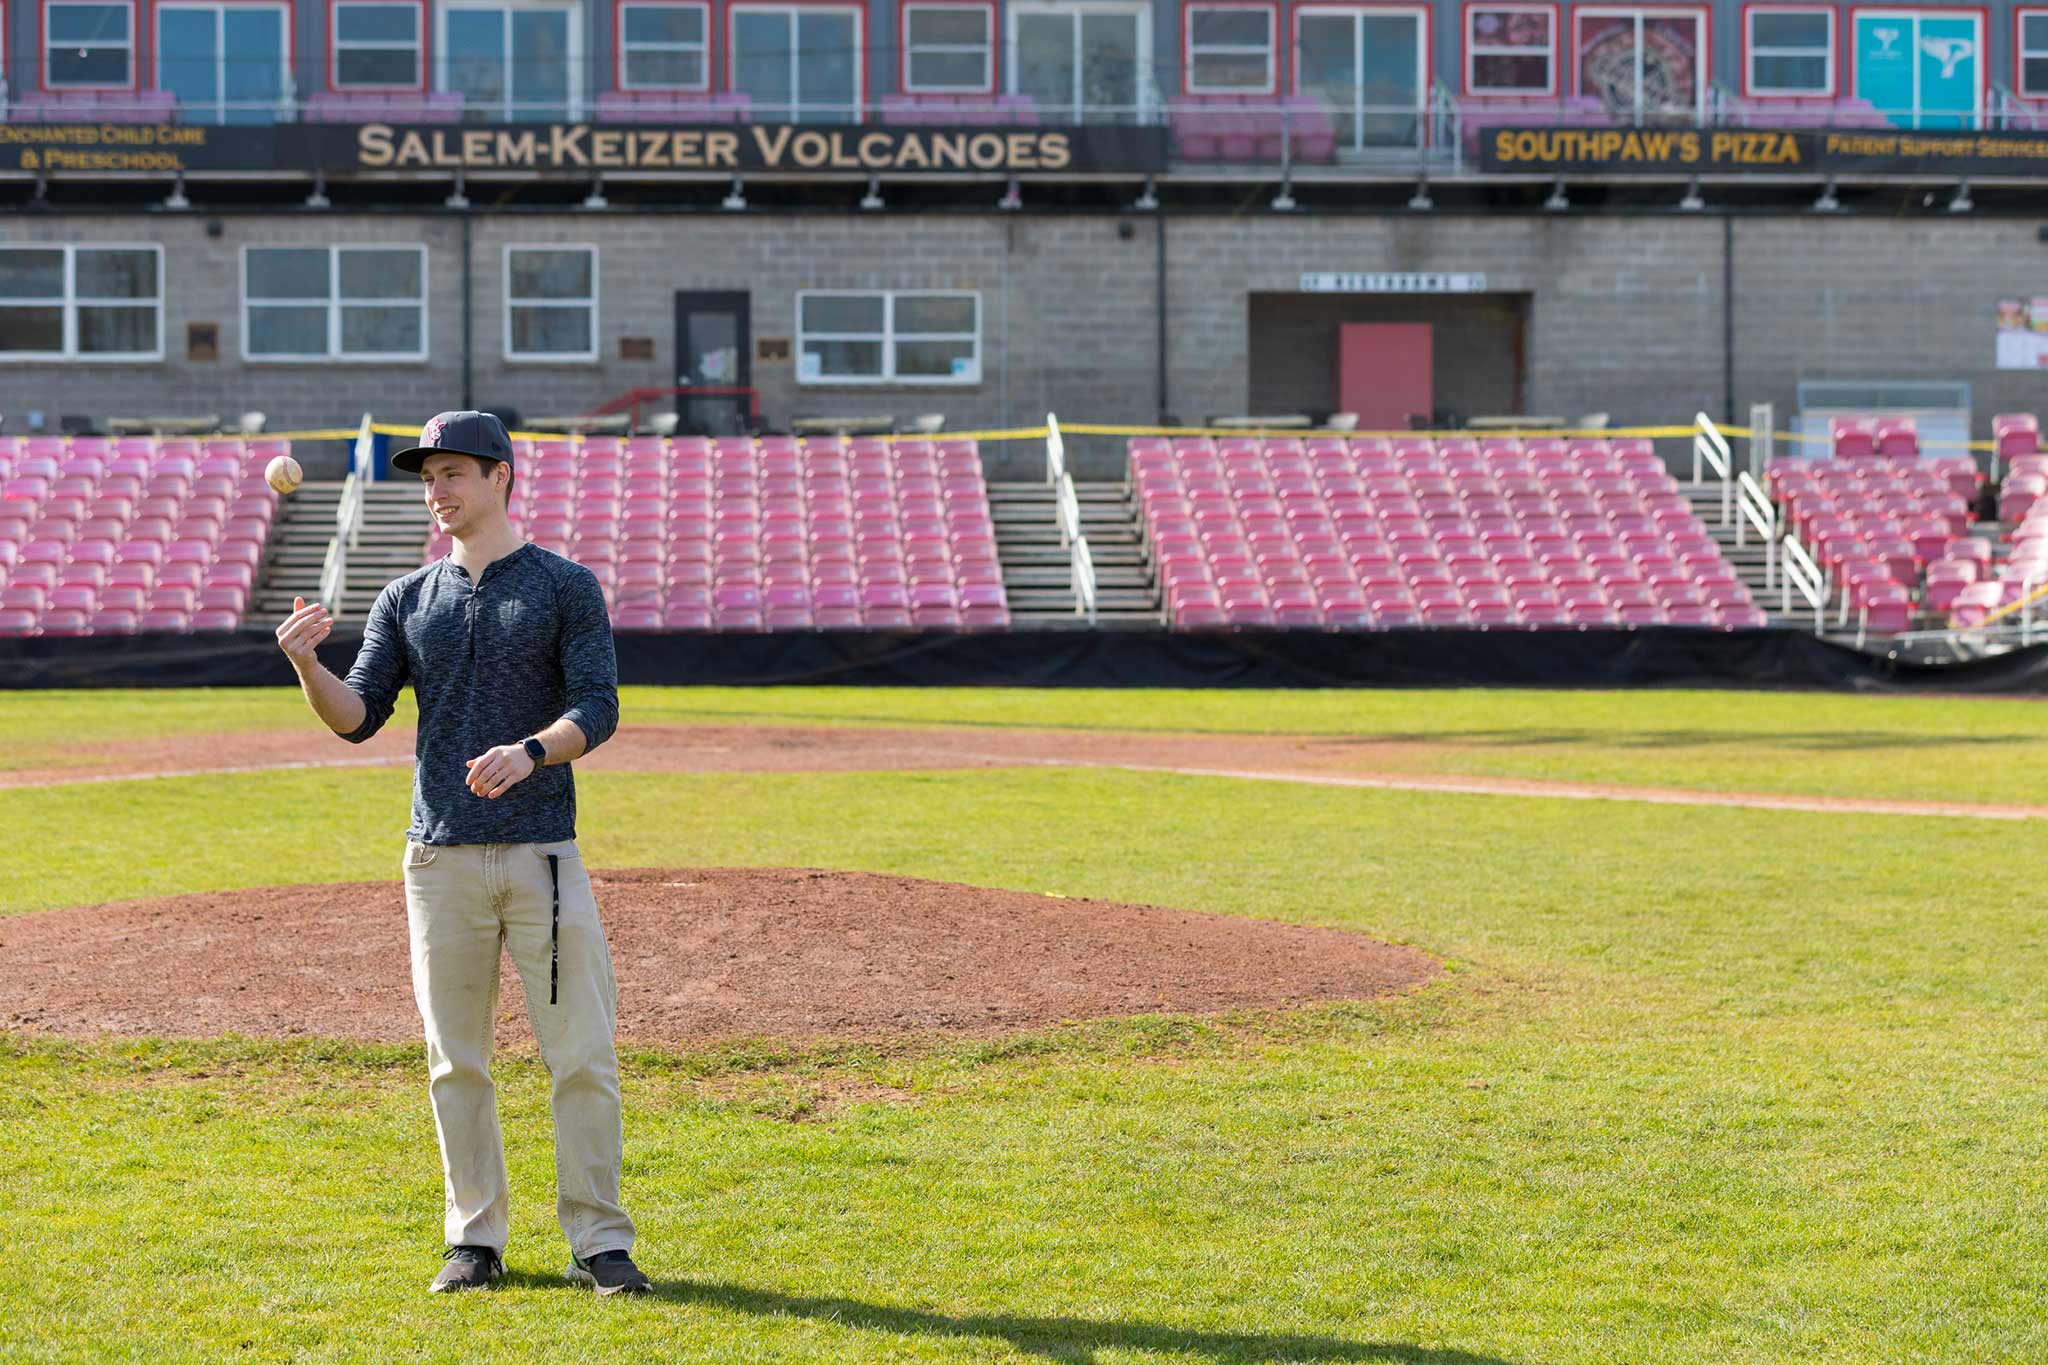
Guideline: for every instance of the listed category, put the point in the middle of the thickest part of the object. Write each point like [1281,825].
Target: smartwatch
[536,751]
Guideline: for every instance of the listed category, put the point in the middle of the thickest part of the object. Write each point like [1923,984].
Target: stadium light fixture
[1557,202]
[1148,201]
[1420,201]
[1962,203]
[456,198]
[872,200]
[1827,203]
[1692,202]
[1013,197]
[317,199]
[176,199]
[595,199]
[735,200]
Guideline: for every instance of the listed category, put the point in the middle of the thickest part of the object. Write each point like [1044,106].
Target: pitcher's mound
[702,954]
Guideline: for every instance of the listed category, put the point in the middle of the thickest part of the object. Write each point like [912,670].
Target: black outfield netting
[1649,657]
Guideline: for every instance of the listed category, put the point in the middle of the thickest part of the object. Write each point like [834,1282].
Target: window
[88,45]
[1511,50]
[1080,55]
[2033,54]
[551,303]
[1791,51]
[663,47]
[1922,68]
[224,62]
[518,62]
[1369,65]
[1230,49]
[899,338]
[949,48]
[1640,62]
[334,303]
[799,63]
[81,303]
[377,46]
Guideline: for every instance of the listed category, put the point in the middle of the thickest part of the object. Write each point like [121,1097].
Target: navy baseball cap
[457,433]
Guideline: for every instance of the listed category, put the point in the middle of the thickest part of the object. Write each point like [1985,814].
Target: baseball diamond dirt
[702,955]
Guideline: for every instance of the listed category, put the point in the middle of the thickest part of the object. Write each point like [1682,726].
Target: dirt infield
[702,955]
[1316,760]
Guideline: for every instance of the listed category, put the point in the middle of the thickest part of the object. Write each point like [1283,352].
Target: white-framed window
[799,63]
[81,302]
[1511,49]
[888,337]
[1230,49]
[551,303]
[664,46]
[1790,49]
[519,61]
[376,45]
[948,48]
[88,44]
[334,303]
[2030,56]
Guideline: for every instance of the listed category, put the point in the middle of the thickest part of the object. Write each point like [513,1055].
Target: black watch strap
[535,750]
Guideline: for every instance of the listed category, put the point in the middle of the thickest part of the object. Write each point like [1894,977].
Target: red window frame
[1602,8]
[619,8]
[1557,41]
[291,35]
[137,49]
[334,84]
[1424,8]
[995,38]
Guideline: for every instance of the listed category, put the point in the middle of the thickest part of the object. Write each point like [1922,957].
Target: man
[509,652]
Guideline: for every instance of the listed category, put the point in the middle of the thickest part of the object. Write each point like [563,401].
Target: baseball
[283,473]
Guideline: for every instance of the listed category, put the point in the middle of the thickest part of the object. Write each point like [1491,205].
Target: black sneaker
[608,1272]
[467,1268]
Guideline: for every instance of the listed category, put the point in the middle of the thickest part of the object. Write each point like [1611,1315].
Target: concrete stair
[1748,559]
[392,543]
[1037,577]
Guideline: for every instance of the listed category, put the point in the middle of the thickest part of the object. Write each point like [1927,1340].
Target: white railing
[1067,509]
[1083,565]
[1055,450]
[348,518]
[1802,573]
[1710,451]
[1753,509]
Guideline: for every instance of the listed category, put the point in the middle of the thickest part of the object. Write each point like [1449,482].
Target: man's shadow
[1073,1340]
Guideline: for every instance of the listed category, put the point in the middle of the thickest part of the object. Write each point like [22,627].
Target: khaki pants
[462,902]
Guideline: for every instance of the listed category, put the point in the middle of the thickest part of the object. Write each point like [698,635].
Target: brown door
[1385,373]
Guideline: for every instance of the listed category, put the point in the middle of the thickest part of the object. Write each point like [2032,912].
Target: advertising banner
[1760,151]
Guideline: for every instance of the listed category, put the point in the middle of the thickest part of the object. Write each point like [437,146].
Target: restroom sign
[1392,282]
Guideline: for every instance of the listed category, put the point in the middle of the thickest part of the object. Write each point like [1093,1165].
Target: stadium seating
[1367,532]
[1803,111]
[100,536]
[435,106]
[1252,128]
[960,110]
[1889,528]
[739,535]
[93,106]
[669,106]
[1479,113]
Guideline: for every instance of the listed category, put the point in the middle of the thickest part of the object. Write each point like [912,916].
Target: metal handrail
[334,568]
[1803,573]
[1068,503]
[1753,508]
[1055,450]
[1083,567]
[1710,449]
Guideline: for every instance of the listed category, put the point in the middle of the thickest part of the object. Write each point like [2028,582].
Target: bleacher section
[735,534]
[1891,530]
[1368,532]
[100,535]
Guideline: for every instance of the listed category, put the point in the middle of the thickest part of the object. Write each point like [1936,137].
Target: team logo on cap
[430,434]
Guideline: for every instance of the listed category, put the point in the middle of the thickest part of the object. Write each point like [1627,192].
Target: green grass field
[1705,1084]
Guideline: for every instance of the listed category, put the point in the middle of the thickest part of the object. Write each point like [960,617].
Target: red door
[1384,373]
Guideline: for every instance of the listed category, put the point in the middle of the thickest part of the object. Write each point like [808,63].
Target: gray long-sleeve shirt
[490,662]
